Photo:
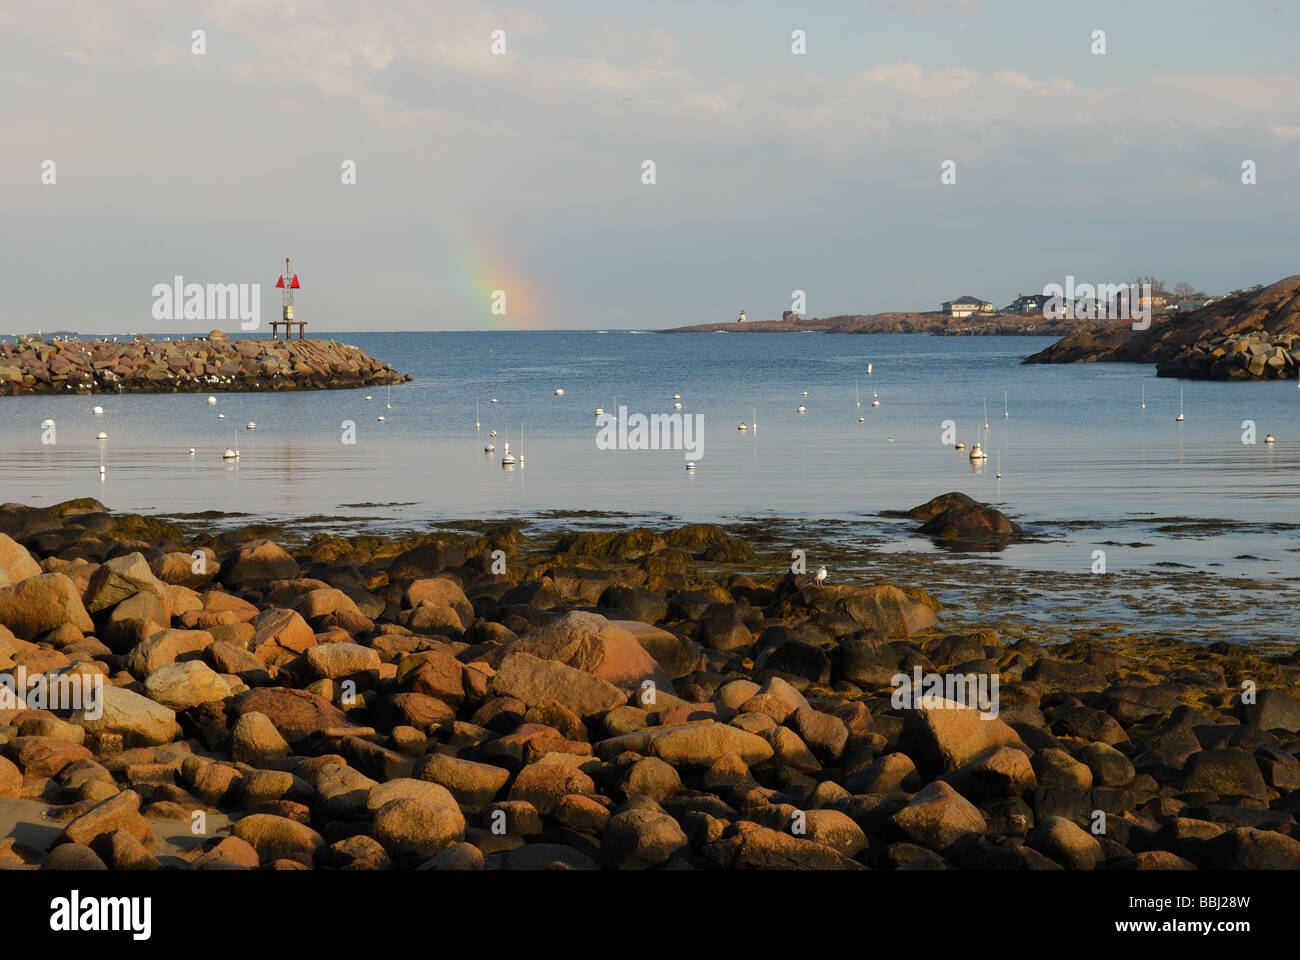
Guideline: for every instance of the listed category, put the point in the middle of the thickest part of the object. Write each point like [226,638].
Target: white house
[965,306]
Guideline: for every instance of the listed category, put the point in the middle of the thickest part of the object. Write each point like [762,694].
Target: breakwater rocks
[637,699]
[203,365]
[1254,329]
[1239,356]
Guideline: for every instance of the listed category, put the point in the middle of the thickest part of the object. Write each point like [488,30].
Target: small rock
[231,853]
[641,836]
[409,827]
[942,820]
[459,856]
[255,738]
[72,856]
[119,812]
[276,838]
[755,847]
[471,783]
[1067,843]
[184,685]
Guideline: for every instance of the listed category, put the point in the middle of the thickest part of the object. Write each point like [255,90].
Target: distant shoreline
[933,323]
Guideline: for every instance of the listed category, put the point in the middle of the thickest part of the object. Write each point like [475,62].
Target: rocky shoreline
[1247,336]
[211,364]
[931,322]
[1238,356]
[630,699]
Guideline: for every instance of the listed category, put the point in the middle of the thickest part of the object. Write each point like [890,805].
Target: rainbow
[475,278]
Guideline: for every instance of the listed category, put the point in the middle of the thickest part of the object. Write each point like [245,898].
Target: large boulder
[119,579]
[254,738]
[440,592]
[139,720]
[164,647]
[409,827]
[425,560]
[1067,843]
[119,812]
[282,629]
[940,819]
[322,602]
[884,609]
[20,521]
[41,603]
[594,645]
[426,791]
[533,680]
[338,660]
[257,561]
[178,568]
[865,661]
[1227,772]
[643,835]
[471,783]
[277,838]
[296,714]
[184,685]
[1272,710]
[694,746]
[645,606]
[957,517]
[16,564]
[943,736]
[676,656]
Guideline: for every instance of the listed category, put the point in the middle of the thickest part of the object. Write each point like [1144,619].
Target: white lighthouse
[741,318]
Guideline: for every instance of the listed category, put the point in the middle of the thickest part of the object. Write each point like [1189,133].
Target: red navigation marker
[287,321]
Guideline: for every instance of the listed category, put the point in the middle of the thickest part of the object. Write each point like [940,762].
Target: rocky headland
[1248,336]
[633,699]
[209,364]
[933,323]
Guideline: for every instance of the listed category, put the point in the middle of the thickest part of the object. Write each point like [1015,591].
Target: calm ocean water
[1076,453]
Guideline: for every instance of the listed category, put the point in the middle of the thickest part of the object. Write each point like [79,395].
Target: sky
[523,171]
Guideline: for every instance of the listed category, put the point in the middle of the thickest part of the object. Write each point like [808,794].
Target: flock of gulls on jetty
[978,453]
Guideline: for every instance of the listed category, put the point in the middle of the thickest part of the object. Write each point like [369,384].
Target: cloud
[535,156]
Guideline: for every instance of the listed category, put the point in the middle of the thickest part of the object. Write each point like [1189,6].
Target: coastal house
[1156,302]
[1027,303]
[789,315]
[965,306]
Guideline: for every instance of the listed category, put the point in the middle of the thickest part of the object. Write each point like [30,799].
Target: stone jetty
[210,364]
